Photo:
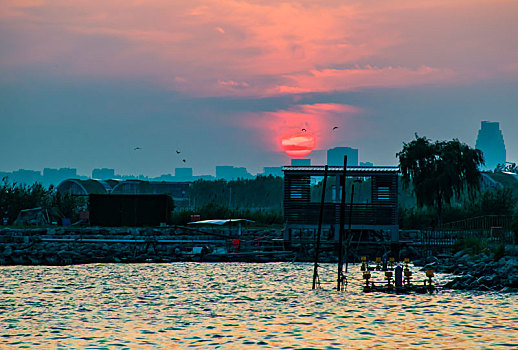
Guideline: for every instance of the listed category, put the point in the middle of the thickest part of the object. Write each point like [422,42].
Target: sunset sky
[84,82]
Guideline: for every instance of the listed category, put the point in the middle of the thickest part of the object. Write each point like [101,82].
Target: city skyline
[488,136]
[149,87]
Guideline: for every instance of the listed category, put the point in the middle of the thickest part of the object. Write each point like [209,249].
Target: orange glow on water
[298,145]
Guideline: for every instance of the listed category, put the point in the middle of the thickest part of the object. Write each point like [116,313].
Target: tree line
[262,192]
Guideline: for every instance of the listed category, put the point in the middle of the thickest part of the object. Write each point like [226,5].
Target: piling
[342,224]
[317,238]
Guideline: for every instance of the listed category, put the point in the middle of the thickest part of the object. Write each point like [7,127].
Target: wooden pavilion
[379,213]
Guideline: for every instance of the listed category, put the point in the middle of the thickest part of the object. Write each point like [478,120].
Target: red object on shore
[236,243]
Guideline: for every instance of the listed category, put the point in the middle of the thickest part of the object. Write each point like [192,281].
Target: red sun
[298,145]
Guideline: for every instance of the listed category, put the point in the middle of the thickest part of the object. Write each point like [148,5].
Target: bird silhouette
[136,148]
[336,127]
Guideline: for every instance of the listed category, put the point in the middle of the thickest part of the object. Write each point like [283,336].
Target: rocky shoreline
[490,270]
[478,272]
[66,246]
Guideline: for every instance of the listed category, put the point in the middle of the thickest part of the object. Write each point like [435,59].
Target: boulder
[8,251]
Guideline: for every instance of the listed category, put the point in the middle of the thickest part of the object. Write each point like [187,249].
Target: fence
[443,241]
[480,223]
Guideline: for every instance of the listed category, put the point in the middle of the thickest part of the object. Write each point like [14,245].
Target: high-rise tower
[491,142]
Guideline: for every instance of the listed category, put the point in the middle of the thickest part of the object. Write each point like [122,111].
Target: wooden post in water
[317,238]
[349,233]
[341,233]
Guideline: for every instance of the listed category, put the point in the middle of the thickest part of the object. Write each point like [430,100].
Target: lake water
[236,306]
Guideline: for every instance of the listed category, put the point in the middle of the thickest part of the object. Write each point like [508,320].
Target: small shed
[114,210]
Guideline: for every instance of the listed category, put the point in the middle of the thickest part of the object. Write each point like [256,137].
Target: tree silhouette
[439,171]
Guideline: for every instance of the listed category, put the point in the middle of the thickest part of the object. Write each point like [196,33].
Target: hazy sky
[84,82]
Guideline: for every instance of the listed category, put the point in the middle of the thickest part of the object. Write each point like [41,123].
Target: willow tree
[439,171]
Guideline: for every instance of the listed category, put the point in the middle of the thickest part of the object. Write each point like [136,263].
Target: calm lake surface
[236,306]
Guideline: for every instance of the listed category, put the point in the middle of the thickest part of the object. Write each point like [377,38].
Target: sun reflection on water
[232,306]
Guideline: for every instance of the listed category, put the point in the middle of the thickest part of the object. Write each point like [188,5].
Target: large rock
[8,251]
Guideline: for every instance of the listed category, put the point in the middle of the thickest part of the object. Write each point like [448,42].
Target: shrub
[472,245]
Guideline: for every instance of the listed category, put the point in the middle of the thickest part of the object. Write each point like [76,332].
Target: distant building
[103,173]
[183,174]
[366,164]
[273,171]
[232,173]
[179,191]
[491,142]
[55,176]
[300,162]
[335,156]
[77,187]
[164,177]
[204,177]
[25,176]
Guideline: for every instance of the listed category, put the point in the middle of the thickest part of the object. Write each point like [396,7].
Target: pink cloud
[231,83]
[357,78]
[249,48]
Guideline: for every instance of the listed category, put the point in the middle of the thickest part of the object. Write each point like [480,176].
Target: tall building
[491,142]
[335,156]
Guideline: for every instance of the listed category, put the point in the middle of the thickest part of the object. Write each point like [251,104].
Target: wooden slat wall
[298,210]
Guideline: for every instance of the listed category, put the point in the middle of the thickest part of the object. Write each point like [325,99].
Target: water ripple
[235,306]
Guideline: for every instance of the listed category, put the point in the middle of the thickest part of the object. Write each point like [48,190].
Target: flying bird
[336,127]
[137,148]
